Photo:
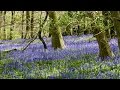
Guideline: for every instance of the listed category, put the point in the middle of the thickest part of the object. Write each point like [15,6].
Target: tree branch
[39,32]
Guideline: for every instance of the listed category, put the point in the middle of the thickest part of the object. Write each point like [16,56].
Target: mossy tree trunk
[116,19]
[57,38]
[104,47]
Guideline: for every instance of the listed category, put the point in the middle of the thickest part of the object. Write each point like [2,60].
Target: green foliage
[82,18]
[64,20]
[45,69]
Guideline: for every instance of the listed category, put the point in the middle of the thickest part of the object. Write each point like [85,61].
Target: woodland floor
[79,60]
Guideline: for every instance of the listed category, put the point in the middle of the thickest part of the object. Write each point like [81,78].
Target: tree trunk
[32,25]
[104,47]
[42,40]
[0,24]
[22,36]
[12,24]
[40,30]
[57,39]
[27,24]
[4,31]
[116,19]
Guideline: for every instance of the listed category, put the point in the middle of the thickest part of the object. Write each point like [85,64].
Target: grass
[59,69]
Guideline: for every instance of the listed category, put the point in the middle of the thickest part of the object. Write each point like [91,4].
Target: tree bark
[22,36]
[4,31]
[42,40]
[32,25]
[40,30]
[104,47]
[12,24]
[0,23]
[27,23]
[57,39]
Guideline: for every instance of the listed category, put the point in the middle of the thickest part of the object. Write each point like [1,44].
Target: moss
[57,39]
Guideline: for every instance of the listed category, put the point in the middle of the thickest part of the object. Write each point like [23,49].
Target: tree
[116,20]
[12,24]
[0,23]
[41,29]
[27,23]
[22,36]
[32,25]
[41,25]
[4,31]
[104,47]
[57,39]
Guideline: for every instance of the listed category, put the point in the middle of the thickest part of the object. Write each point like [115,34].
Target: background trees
[26,24]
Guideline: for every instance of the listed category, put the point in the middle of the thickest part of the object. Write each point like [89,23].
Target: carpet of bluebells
[79,60]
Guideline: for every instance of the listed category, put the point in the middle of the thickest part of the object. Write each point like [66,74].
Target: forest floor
[79,60]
